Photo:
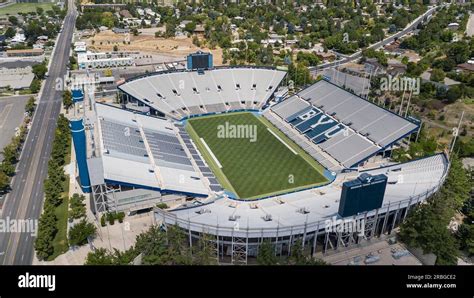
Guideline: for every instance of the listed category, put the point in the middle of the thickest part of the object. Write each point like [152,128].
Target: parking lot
[12,113]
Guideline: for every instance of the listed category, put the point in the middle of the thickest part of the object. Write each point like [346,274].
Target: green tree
[437,75]
[40,70]
[35,86]
[453,94]
[79,233]
[77,206]
[67,100]
[10,32]
[30,106]
[4,181]
[427,226]
[204,252]
[266,254]
[99,256]
[46,233]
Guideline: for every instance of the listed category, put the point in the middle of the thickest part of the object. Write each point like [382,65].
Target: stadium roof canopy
[180,94]
[346,126]
[142,151]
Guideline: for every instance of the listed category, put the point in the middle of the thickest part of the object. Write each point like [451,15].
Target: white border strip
[283,142]
[211,153]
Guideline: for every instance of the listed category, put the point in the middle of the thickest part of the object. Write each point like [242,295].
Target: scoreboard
[362,194]
[199,61]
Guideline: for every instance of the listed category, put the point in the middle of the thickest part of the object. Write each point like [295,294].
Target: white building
[18,38]
[104,60]
[150,12]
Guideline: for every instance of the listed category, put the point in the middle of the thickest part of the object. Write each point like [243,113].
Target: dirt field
[148,44]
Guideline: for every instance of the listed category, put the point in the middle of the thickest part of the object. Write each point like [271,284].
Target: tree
[427,226]
[453,94]
[79,233]
[266,254]
[204,253]
[35,86]
[190,27]
[40,70]
[99,257]
[67,100]
[459,52]
[4,181]
[437,75]
[46,233]
[13,20]
[299,73]
[10,32]
[466,236]
[77,206]
[30,106]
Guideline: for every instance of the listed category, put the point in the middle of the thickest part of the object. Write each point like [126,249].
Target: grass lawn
[60,242]
[24,8]
[252,170]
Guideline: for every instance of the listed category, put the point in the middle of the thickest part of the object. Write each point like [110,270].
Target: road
[25,200]
[386,41]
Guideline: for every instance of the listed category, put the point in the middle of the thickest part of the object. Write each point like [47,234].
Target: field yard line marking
[283,142]
[211,153]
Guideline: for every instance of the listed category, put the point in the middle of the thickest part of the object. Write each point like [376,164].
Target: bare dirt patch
[146,43]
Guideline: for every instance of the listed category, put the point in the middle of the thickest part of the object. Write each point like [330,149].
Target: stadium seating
[185,93]
[347,127]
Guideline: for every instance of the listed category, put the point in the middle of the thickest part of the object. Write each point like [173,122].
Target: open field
[253,165]
[24,8]
[149,44]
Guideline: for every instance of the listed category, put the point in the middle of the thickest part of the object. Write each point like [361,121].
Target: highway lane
[381,43]
[25,201]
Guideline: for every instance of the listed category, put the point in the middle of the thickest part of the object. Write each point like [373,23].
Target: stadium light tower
[409,98]
[456,133]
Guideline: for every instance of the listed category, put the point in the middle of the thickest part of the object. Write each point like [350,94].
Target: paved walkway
[470,25]
[379,248]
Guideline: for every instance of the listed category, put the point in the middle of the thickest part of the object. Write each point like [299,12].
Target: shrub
[162,205]
[102,220]
[111,218]
[120,217]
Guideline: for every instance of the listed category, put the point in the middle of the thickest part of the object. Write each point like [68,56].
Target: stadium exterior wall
[242,242]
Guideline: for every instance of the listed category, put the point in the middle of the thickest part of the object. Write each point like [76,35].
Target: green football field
[252,158]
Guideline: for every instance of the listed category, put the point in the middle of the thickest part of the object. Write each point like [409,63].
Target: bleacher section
[347,127]
[324,159]
[185,93]
[143,151]
[207,173]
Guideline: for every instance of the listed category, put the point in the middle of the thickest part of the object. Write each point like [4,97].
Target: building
[18,38]
[25,53]
[104,60]
[465,67]
[120,30]
[80,47]
[16,78]
[139,158]
[453,26]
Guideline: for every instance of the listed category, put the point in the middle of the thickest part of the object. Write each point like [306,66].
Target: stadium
[245,161]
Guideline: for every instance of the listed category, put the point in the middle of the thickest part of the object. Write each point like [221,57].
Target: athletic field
[252,158]
[15,8]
